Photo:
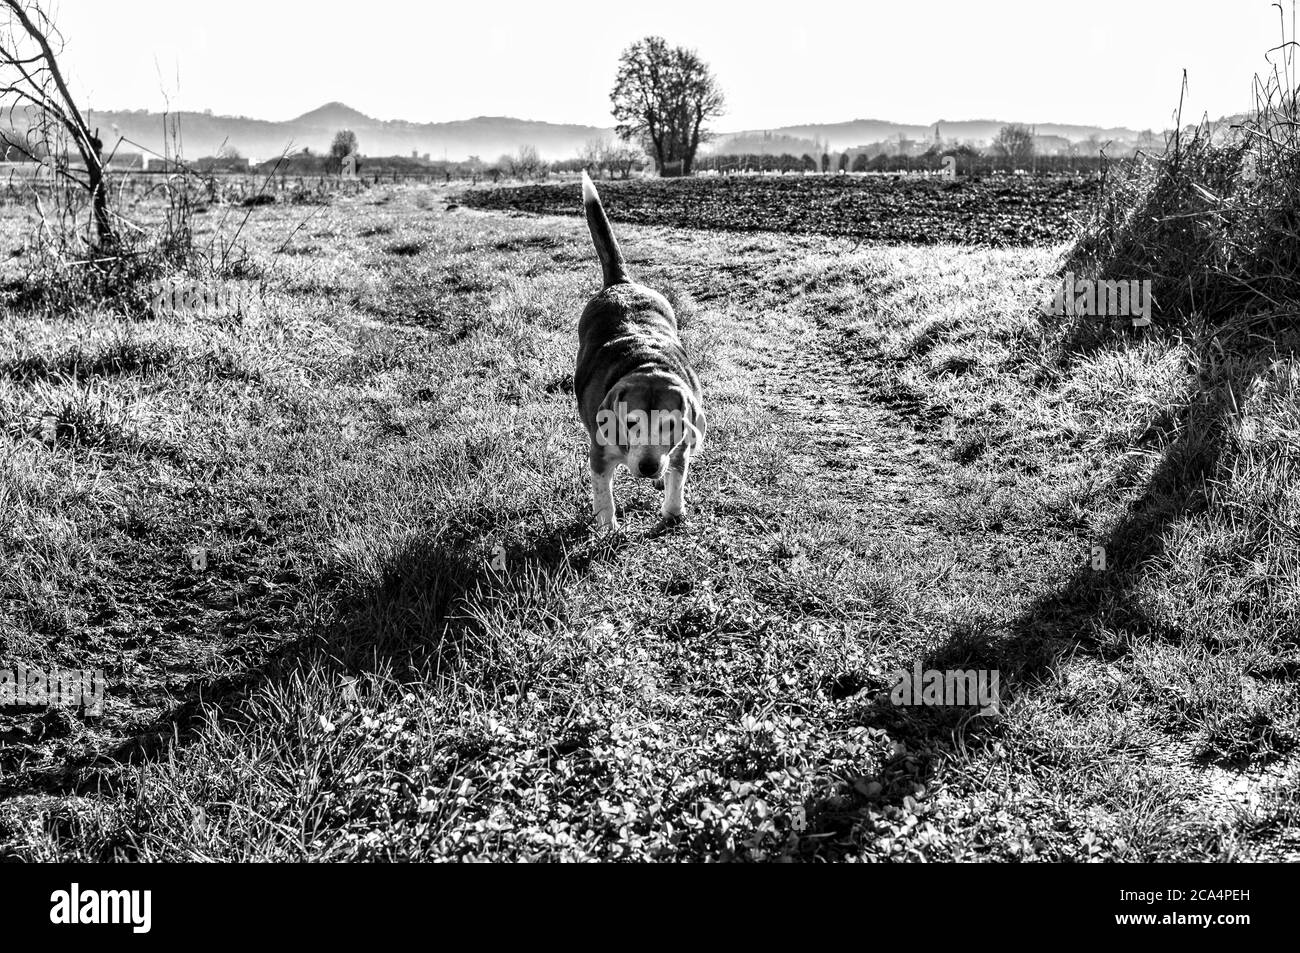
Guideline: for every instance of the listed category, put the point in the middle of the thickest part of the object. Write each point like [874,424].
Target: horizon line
[207,112]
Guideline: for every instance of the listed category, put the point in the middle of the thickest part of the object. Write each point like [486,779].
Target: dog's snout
[648,467]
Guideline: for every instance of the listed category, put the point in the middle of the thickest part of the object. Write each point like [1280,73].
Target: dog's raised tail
[611,259]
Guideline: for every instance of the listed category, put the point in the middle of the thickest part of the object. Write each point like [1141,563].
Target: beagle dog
[637,394]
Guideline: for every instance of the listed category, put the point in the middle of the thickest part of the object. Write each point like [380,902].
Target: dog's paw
[673,509]
[670,515]
[666,524]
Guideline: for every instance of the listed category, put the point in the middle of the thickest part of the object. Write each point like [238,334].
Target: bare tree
[343,145]
[610,155]
[526,163]
[475,166]
[32,85]
[664,97]
[622,156]
[593,153]
[1016,143]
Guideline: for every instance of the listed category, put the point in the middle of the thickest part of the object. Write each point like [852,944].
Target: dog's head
[650,422]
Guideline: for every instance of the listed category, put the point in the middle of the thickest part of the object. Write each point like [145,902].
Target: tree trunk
[656,140]
[99,193]
[694,144]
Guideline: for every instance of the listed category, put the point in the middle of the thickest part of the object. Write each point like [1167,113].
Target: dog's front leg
[674,506]
[679,464]
[602,494]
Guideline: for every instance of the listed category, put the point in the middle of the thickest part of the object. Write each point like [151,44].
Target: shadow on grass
[408,625]
[1058,624]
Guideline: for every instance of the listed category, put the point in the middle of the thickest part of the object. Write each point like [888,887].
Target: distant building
[1051,146]
[910,147]
[220,164]
[202,164]
[296,164]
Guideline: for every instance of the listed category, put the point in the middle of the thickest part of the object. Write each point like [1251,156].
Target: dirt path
[876,461]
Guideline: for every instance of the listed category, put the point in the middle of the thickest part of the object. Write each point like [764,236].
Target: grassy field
[355,676]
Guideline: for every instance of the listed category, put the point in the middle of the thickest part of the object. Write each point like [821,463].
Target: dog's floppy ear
[701,423]
[693,426]
[689,443]
[614,396]
[696,422]
[608,425]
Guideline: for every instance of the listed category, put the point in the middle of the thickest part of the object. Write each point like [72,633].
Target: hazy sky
[1104,62]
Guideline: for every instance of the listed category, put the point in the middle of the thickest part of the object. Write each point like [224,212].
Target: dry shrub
[1213,223]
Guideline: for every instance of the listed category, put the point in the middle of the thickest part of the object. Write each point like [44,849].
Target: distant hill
[487,137]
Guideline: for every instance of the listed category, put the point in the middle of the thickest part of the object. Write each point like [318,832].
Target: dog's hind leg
[602,497]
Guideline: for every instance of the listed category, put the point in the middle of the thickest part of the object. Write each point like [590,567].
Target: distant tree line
[969,162]
[1013,148]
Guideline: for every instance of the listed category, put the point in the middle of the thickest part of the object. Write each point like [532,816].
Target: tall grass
[1214,222]
[64,273]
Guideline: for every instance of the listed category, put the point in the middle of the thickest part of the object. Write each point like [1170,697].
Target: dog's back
[627,327]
